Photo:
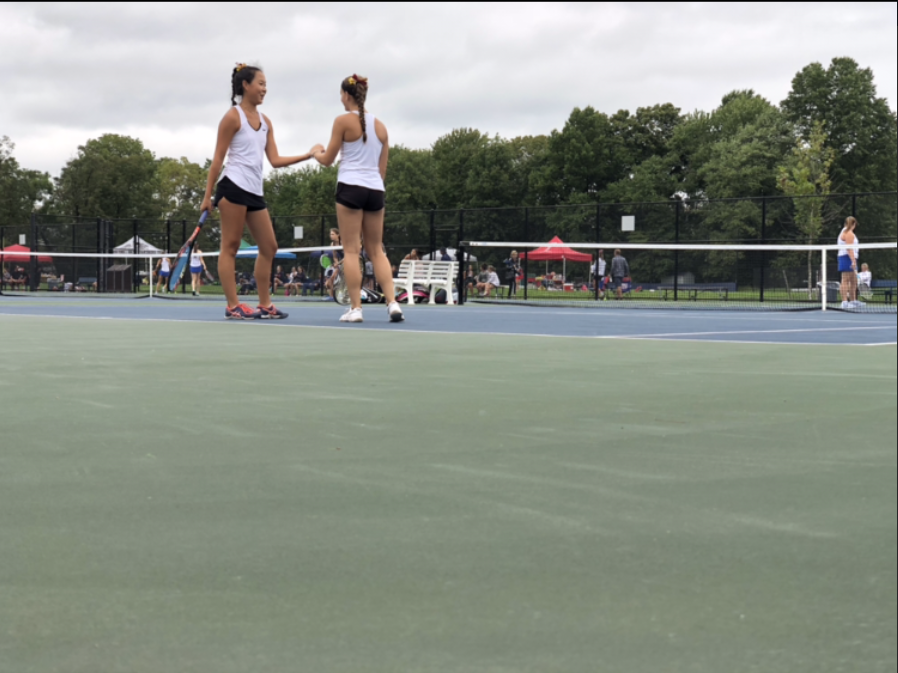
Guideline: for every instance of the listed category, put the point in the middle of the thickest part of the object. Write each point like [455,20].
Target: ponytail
[241,74]
[357,87]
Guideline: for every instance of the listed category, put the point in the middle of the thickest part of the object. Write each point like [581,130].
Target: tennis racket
[341,290]
[184,255]
[864,291]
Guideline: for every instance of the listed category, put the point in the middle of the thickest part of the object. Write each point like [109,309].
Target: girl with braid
[364,145]
[247,137]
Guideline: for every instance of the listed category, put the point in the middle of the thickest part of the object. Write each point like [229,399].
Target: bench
[86,283]
[886,288]
[434,275]
[692,290]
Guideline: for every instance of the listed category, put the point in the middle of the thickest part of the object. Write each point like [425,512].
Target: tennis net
[713,277]
[140,275]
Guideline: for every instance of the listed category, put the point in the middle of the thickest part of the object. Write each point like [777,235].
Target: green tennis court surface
[199,496]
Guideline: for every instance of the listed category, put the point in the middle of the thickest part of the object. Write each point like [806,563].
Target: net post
[763,241]
[823,279]
[526,253]
[150,273]
[320,268]
[677,252]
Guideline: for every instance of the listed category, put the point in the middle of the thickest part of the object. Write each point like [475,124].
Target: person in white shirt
[598,272]
[363,144]
[163,273]
[246,136]
[197,268]
[865,277]
[848,253]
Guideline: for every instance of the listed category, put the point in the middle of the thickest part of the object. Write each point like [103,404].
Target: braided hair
[357,87]
[241,74]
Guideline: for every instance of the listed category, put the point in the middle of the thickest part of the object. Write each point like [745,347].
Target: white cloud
[160,71]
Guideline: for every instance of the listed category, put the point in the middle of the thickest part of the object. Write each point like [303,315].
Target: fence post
[135,272]
[595,275]
[183,241]
[460,248]
[99,248]
[526,252]
[168,236]
[33,270]
[433,234]
[321,243]
[854,206]
[677,252]
[763,242]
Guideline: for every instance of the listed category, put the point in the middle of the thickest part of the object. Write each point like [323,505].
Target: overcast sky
[161,72]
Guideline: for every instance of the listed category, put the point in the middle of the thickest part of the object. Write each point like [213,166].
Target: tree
[452,155]
[584,158]
[112,176]
[181,185]
[860,127]
[21,190]
[806,173]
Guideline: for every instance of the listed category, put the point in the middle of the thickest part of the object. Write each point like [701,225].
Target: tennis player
[246,136]
[163,273]
[197,268]
[848,254]
[364,144]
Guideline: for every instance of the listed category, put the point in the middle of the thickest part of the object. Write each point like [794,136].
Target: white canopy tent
[142,248]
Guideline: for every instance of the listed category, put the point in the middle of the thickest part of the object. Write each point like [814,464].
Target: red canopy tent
[19,254]
[562,253]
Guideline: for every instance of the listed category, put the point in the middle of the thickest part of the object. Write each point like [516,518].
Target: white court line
[770,331]
[654,337]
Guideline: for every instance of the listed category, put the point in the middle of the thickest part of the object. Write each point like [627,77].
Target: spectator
[620,269]
[444,255]
[865,277]
[395,271]
[369,274]
[279,280]
[18,278]
[247,283]
[512,271]
[483,279]
[598,273]
[412,256]
[470,280]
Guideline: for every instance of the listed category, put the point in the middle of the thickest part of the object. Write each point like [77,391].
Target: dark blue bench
[887,288]
[692,290]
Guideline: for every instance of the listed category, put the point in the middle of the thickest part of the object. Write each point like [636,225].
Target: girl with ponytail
[246,136]
[363,144]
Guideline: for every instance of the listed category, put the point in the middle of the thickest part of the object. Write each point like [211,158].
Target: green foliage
[860,127]
[805,173]
[180,189]
[21,190]
[112,176]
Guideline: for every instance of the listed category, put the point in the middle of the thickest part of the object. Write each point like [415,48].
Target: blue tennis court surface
[805,328]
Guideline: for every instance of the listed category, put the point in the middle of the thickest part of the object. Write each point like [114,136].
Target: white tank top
[246,155]
[360,161]
[844,246]
[166,265]
[195,260]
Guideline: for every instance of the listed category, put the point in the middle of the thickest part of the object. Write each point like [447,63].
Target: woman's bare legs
[233,220]
[350,224]
[259,223]
[373,233]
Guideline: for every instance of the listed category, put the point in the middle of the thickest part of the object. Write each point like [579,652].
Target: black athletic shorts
[239,197]
[360,198]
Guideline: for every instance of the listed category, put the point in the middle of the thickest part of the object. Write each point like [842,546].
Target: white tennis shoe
[395,312]
[352,315]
